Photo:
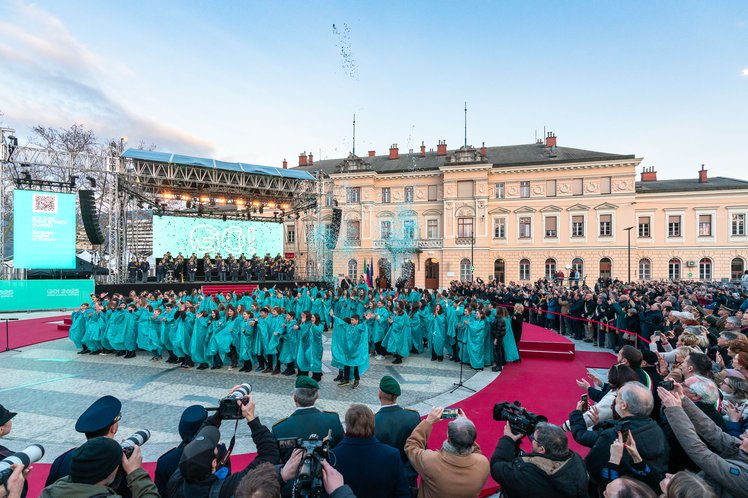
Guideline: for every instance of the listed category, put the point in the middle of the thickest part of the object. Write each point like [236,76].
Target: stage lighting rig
[92,181]
[12,145]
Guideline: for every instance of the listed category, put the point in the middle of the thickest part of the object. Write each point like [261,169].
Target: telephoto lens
[31,454]
[137,439]
[241,391]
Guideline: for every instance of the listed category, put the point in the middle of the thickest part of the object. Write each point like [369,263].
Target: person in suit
[393,424]
[145,267]
[383,475]
[190,422]
[307,420]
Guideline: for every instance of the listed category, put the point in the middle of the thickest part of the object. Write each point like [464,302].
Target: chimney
[649,174]
[702,175]
[311,159]
[423,150]
[372,153]
[483,149]
[441,148]
[285,163]
[550,140]
[394,152]
[302,159]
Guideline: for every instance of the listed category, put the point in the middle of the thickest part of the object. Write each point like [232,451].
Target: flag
[371,272]
[365,273]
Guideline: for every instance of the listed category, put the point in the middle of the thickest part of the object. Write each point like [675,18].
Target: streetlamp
[628,233]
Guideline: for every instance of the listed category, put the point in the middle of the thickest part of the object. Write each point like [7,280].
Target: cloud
[744,72]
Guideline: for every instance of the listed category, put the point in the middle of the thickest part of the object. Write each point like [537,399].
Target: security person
[307,420]
[132,270]
[100,419]
[145,267]
[393,424]
[192,419]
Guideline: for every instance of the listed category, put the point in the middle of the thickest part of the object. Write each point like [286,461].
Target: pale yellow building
[519,213]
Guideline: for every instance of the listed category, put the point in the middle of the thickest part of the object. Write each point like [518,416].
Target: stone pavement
[49,385]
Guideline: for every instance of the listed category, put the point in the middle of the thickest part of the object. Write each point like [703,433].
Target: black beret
[95,460]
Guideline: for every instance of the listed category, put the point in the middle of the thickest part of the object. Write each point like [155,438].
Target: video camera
[137,439]
[227,408]
[309,481]
[520,420]
[31,454]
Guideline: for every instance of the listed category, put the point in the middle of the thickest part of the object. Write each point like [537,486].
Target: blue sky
[262,81]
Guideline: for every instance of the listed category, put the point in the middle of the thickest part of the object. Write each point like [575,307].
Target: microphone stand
[460,383]
[7,340]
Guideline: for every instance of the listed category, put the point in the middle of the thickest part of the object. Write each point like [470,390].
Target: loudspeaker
[332,235]
[90,217]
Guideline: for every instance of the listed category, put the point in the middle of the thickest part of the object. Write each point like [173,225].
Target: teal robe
[199,340]
[77,328]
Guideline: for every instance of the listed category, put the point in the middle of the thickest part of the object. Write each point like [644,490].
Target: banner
[28,295]
[177,234]
[43,230]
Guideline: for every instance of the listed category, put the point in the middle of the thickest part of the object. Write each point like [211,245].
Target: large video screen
[177,234]
[43,230]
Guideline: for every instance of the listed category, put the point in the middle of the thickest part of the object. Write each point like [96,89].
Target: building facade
[518,213]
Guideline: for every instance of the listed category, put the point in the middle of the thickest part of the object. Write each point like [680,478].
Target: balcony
[407,245]
[464,241]
[352,242]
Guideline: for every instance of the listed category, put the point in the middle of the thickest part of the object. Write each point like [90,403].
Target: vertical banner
[43,230]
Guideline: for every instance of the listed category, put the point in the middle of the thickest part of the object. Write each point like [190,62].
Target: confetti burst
[343,44]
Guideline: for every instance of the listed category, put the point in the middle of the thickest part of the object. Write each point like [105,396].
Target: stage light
[285,206]
[230,201]
[239,202]
[185,197]
[221,200]
[92,181]
[256,204]
[204,199]
[271,205]
[167,195]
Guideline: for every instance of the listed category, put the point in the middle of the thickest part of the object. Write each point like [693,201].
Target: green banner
[30,295]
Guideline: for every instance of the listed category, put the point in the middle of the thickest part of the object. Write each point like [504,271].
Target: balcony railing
[352,242]
[464,241]
[407,244]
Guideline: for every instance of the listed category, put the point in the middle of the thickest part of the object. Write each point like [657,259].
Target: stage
[240,286]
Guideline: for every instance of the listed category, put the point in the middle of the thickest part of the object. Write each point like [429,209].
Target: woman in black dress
[517,320]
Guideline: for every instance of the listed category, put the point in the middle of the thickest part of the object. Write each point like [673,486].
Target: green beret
[389,385]
[305,382]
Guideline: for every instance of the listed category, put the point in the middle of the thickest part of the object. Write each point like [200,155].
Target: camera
[31,454]
[137,439]
[227,408]
[520,420]
[309,481]
[667,384]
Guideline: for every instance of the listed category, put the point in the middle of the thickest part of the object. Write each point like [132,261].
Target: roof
[201,162]
[503,156]
[690,185]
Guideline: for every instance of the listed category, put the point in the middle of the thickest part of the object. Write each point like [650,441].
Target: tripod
[7,334]
[460,383]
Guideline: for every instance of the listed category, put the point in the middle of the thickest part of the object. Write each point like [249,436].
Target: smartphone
[585,400]
[667,384]
[625,430]
[450,413]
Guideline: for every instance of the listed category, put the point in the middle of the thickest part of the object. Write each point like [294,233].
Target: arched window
[705,269]
[550,268]
[737,267]
[606,268]
[645,269]
[578,265]
[673,269]
[524,269]
[499,269]
[465,273]
[353,269]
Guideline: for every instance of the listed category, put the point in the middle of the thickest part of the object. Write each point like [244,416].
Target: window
[577,226]
[645,269]
[705,269]
[738,224]
[329,199]
[605,185]
[353,230]
[673,269]
[408,194]
[606,225]
[353,268]
[644,231]
[464,227]
[550,268]
[465,189]
[524,269]
[500,190]
[705,225]
[578,265]
[432,229]
[409,229]
[606,268]
[551,227]
[353,195]
[550,188]
[577,186]
[386,195]
[466,273]
[310,234]
[737,267]
[673,226]
[432,192]
[499,228]
[290,234]
[385,229]
[524,189]
[525,227]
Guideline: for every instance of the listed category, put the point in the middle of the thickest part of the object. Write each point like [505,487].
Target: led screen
[43,230]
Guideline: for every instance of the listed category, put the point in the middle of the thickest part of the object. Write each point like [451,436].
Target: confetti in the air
[343,44]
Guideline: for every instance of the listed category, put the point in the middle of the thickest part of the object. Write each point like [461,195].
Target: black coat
[393,425]
[305,422]
[166,465]
[382,473]
[537,475]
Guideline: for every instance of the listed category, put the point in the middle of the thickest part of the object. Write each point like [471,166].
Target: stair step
[549,355]
[67,321]
[63,326]
[547,346]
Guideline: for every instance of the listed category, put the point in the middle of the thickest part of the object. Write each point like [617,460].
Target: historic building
[519,213]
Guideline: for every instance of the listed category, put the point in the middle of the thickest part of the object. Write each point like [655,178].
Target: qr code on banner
[44,203]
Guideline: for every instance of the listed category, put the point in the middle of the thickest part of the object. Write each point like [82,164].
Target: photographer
[6,424]
[550,470]
[94,467]
[14,487]
[202,472]
[190,422]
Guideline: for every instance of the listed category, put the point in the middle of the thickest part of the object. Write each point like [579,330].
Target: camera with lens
[227,408]
[137,439]
[31,454]
[309,481]
[520,420]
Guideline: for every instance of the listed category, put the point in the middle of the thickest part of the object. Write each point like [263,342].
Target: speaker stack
[90,217]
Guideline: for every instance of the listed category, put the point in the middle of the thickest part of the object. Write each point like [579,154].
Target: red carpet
[26,332]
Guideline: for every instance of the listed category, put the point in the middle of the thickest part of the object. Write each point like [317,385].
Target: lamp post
[472,255]
[628,233]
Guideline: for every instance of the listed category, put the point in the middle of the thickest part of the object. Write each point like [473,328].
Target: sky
[260,81]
